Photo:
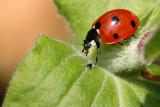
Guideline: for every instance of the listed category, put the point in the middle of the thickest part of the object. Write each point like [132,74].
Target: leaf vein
[118,90]
[98,93]
[82,73]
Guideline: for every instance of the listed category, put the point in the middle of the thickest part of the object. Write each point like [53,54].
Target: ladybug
[111,28]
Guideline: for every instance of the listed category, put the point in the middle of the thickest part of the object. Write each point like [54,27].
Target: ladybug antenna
[97,25]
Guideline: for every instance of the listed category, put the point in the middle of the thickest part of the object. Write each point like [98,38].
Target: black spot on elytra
[115,35]
[97,25]
[133,24]
[115,19]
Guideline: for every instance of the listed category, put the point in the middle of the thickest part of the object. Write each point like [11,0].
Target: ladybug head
[97,25]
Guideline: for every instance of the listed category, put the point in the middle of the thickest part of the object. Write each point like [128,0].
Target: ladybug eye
[133,24]
[97,25]
[115,35]
[115,20]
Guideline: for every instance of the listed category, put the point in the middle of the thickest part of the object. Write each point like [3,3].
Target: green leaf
[154,68]
[53,74]
[152,49]
[151,21]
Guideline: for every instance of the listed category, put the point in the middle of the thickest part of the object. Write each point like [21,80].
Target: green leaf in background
[151,20]
[54,75]
[154,68]
[152,48]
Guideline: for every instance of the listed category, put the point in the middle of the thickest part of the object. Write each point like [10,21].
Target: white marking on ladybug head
[97,31]
[93,43]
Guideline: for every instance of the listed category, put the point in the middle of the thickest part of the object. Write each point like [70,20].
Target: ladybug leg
[97,57]
[98,46]
[86,46]
[89,66]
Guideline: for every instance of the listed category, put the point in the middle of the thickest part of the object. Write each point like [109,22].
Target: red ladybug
[117,25]
[112,27]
